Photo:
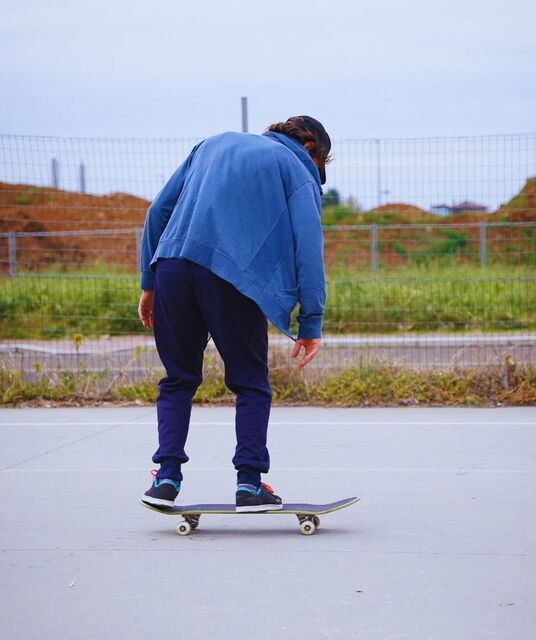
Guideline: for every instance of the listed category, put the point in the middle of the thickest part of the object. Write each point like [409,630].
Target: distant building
[471,207]
[440,209]
[445,209]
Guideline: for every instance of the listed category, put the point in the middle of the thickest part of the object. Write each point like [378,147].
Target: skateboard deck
[307,514]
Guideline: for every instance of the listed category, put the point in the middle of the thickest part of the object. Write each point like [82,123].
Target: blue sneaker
[250,498]
[162,493]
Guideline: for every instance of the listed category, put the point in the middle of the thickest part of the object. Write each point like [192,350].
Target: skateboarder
[234,238]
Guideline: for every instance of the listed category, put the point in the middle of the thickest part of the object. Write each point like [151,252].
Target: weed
[369,385]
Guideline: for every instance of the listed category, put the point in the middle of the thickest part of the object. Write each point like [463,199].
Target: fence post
[137,235]
[12,252]
[379,171]
[374,247]
[483,245]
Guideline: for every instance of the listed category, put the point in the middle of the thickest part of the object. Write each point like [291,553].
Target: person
[232,240]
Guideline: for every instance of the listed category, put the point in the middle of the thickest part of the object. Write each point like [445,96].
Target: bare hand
[311,347]
[145,309]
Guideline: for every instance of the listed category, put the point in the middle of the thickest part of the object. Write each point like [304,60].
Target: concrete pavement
[441,547]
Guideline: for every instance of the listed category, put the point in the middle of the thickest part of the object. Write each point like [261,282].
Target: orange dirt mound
[27,208]
[24,208]
[398,207]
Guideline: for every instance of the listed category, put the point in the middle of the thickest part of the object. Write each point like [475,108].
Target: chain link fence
[430,250]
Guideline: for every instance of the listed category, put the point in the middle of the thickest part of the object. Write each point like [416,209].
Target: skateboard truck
[308,524]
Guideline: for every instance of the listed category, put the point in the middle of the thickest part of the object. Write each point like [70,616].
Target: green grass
[54,306]
[59,305]
[432,299]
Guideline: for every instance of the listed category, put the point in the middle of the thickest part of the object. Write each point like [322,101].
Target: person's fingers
[145,313]
[296,350]
[309,355]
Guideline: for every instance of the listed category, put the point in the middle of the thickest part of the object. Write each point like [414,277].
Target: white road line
[312,423]
[229,468]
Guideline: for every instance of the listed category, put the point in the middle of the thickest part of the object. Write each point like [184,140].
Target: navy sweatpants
[189,303]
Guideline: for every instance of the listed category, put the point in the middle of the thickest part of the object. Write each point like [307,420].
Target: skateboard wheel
[184,528]
[307,527]
[316,520]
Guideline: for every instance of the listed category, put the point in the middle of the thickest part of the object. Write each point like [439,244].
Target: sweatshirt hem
[223,266]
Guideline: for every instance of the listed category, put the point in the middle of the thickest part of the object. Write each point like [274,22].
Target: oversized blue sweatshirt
[247,208]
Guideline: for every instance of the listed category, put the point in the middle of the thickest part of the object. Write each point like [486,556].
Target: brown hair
[302,135]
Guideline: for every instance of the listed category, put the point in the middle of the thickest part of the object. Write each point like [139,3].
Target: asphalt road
[441,546]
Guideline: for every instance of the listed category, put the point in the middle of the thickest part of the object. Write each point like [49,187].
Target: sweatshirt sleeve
[157,217]
[304,207]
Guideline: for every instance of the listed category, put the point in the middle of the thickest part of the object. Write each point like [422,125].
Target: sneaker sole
[259,507]
[158,502]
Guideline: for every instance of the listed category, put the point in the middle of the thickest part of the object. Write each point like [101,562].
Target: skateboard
[308,514]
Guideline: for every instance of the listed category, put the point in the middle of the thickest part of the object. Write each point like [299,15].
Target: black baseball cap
[322,139]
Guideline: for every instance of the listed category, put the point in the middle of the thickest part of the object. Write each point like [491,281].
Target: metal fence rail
[359,248]
[30,251]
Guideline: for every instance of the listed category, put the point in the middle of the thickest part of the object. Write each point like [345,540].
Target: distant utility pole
[82,176]
[244,115]
[55,174]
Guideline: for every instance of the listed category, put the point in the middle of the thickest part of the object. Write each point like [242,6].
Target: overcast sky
[373,68]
